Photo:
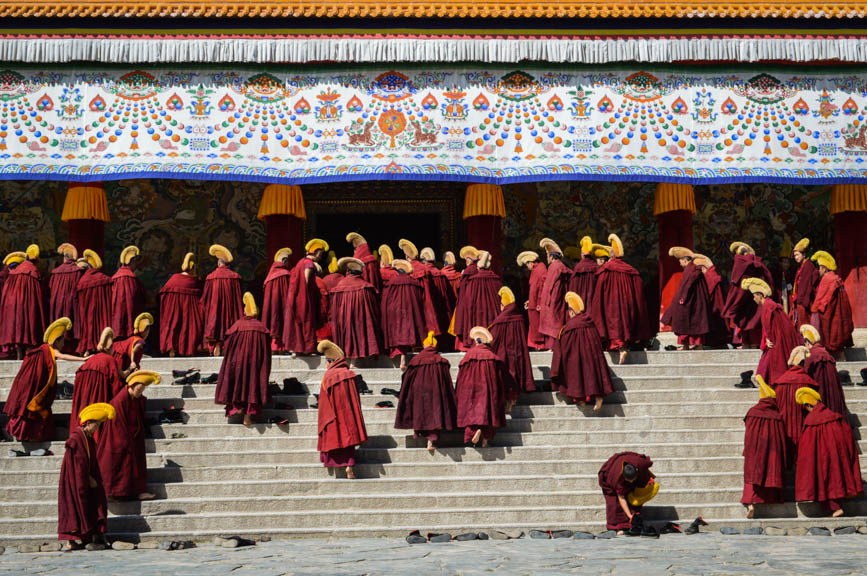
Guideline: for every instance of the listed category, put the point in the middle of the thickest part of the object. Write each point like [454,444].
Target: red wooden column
[484,211]
[849,209]
[282,210]
[86,211]
[673,206]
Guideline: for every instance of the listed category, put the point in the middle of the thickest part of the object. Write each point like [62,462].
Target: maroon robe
[356,318]
[740,307]
[97,380]
[479,391]
[402,315]
[764,454]
[303,310]
[613,484]
[387,273]
[324,331]
[182,324]
[535,339]
[832,307]
[793,416]
[28,404]
[371,273]
[552,312]
[427,398]
[275,300]
[583,279]
[719,328]
[121,450]
[332,280]
[619,309]
[92,309]
[127,301]
[61,285]
[803,293]
[822,368]
[777,328]
[435,308]
[221,303]
[242,384]
[125,353]
[689,311]
[828,465]
[454,278]
[510,344]
[340,419]
[578,366]
[22,308]
[444,288]
[478,303]
[81,508]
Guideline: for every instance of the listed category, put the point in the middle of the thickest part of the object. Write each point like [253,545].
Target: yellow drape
[282,199]
[85,202]
[484,200]
[670,197]
[848,198]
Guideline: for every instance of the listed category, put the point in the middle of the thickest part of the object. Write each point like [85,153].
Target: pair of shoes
[391,392]
[746,380]
[278,421]
[293,387]
[361,385]
[438,538]
[193,377]
[695,526]
[64,391]
[670,528]
[211,378]
[171,415]
[845,379]
[385,404]
[415,537]
[863,381]
[233,542]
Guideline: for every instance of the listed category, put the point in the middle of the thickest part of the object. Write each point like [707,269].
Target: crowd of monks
[368,304]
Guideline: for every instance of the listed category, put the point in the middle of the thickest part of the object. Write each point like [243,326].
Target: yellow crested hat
[586,245]
[526,257]
[741,248]
[402,265]
[68,250]
[57,329]
[574,302]
[14,258]
[810,334]
[282,254]
[702,260]
[142,321]
[427,254]
[93,259]
[330,350]
[386,257]
[469,252]
[824,259]
[430,340]
[250,308]
[409,249]
[756,286]
[128,253]
[681,252]
[549,246]
[601,251]
[316,244]
[616,245]
[807,396]
[798,355]
[355,239]
[221,253]
[643,495]
[449,258]
[484,259]
[189,262]
[146,377]
[332,262]
[350,263]
[99,412]
[506,296]
[802,246]
[765,391]
[32,252]
[107,334]
[481,334]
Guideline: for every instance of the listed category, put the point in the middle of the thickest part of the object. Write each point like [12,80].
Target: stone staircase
[680,408]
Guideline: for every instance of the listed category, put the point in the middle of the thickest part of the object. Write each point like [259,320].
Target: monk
[127,294]
[804,288]
[828,468]
[452,275]
[221,299]
[510,344]
[303,310]
[619,477]
[460,320]
[92,302]
[402,313]
[479,390]
[718,335]
[822,367]
[386,257]
[689,311]
[324,331]
[277,297]
[341,422]
[583,279]
[363,252]
[764,452]
[97,380]
[538,272]
[62,284]
[552,307]
[435,307]
[356,316]
[129,351]
[578,367]
[779,336]
[602,254]
[831,312]
[22,307]
[427,398]
[619,310]
[121,452]
[478,301]
[81,506]
[182,324]
[785,387]
[333,278]
[740,308]
[242,385]
[28,404]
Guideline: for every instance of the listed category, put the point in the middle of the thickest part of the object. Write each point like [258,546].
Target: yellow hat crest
[469,252]
[250,308]
[67,250]
[741,248]
[127,254]
[586,245]
[756,286]
[14,258]
[802,245]
[427,254]
[798,355]
[408,248]
[574,302]
[316,244]
[430,340]
[330,350]
[616,245]
[402,265]
[601,251]
[143,321]
[807,396]
[221,253]
[506,296]
[104,338]
[282,254]
[146,377]
[386,257]
[481,334]
[449,258]
[57,329]
[32,252]
[93,259]
[810,334]
[355,239]
[643,495]
[702,260]
[765,391]
[189,262]
[349,263]
[681,252]
[526,257]
[99,412]
[822,258]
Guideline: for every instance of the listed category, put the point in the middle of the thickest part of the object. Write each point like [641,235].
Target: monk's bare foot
[146,496]
[172,353]
[430,446]
[621,532]
[350,473]
[403,362]
[623,353]
[837,513]
[681,348]
[248,421]
[72,545]
[598,405]
[751,511]
[477,436]
[581,402]
[484,442]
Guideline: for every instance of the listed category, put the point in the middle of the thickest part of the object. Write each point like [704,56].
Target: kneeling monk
[764,451]
[479,390]
[81,508]
[242,386]
[341,422]
[621,475]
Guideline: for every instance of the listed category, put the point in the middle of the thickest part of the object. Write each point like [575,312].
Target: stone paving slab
[678,555]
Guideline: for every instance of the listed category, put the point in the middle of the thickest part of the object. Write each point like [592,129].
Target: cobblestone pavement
[704,554]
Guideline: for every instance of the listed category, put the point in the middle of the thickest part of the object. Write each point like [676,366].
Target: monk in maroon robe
[831,311]
[127,294]
[583,279]
[303,317]
[779,336]
[822,367]
[277,297]
[402,313]
[533,305]
[478,301]
[452,275]
[356,316]
[242,385]
[324,332]
[97,380]
[341,422]
[427,397]
[764,452]
[92,303]
[785,387]
[221,300]
[740,309]
[333,278]
[689,311]
[129,351]
[385,259]
[182,324]
[442,285]
[620,475]
[62,285]
[435,307]
[81,506]
[22,306]
[121,453]
[619,309]
[29,402]
[828,468]
[718,335]
[804,287]
[552,307]
[578,367]
[479,391]
[510,344]
[362,252]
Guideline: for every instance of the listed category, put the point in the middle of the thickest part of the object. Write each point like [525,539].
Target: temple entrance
[423,229]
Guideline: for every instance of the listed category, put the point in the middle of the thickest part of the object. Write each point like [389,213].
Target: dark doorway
[422,229]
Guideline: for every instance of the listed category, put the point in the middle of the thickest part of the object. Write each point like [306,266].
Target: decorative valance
[848,198]
[85,202]
[282,199]
[670,197]
[484,200]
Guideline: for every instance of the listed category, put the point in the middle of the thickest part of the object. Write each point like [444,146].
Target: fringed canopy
[484,200]
[282,199]
[670,197]
[848,198]
[85,202]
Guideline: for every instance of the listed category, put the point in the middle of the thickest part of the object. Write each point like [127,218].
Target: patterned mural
[482,124]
